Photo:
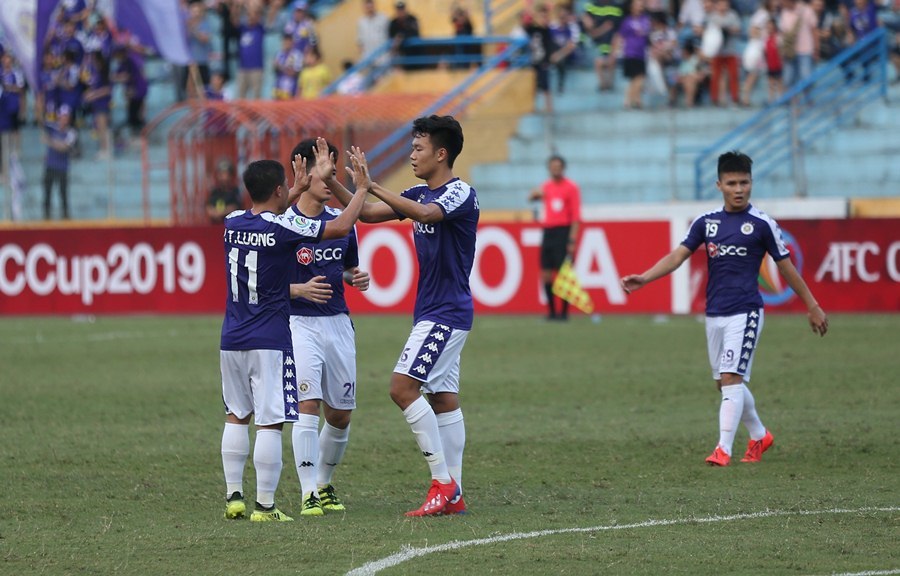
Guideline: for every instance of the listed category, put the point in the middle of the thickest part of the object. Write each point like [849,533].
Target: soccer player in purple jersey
[255,358]
[444,211]
[324,341]
[737,238]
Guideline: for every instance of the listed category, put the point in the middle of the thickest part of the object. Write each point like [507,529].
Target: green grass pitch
[110,433]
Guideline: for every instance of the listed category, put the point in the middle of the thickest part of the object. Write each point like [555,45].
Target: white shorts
[731,342]
[431,355]
[325,351]
[259,382]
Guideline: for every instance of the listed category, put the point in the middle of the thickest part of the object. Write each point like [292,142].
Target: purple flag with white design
[17,20]
[158,24]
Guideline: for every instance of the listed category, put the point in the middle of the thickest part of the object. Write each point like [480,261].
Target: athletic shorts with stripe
[731,342]
[259,382]
[431,355]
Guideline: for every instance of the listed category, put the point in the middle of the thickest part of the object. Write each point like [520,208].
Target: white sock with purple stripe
[750,418]
[267,460]
[730,415]
[423,422]
[305,440]
[235,450]
[453,439]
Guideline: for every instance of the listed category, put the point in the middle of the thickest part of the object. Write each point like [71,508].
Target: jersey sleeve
[696,235]
[298,228]
[409,194]
[456,201]
[351,257]
[774,240]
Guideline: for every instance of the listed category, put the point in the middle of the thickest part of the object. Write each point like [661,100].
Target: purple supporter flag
[21,21]
[158,24]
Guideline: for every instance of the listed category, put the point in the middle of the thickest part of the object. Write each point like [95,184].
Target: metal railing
[390,151]
[777,137]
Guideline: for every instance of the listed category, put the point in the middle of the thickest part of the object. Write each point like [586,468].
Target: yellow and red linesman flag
[567,287]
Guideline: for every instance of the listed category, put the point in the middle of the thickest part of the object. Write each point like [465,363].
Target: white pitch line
[869,573]
[408,553]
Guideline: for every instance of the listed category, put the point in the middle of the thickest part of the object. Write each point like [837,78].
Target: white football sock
[267,460]
[453,439]
[305,439]
[424,425]
[332,443]
[730,415]
[750,418]
[235,450]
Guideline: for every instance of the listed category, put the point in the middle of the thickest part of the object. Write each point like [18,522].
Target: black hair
[443,131]
[261,178]
[557,157]
[734,161]
[305,149]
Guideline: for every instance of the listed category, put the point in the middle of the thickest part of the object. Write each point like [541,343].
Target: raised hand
[324,160]
[360,169]
[302,179]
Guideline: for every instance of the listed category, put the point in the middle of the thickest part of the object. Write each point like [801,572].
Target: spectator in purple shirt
[251,33]
[12,80]
[633,37]
[60,138]
[129,71]
[97,97]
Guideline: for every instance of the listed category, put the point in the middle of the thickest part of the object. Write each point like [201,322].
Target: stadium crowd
[680,52]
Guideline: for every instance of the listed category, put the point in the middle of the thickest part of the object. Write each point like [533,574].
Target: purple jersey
[259,262]
[250,46]
[328,258]
[446,251]
[736,243]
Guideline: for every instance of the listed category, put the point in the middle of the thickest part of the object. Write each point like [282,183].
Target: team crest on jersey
[304,387]
[305,256]
[747,228]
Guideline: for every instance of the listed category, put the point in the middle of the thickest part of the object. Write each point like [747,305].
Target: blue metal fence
[777,136]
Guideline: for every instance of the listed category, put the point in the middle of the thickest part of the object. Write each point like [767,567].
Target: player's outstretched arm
[343,224]
[666,265]
[424,213]
[316,290]
[372,213]
[818,321]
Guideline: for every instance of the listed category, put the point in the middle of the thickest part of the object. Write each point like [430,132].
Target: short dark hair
[557,157]
[305,149]
[443,131]
[734,161]
[261,178]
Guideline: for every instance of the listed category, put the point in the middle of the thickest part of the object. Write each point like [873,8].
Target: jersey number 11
[250,263]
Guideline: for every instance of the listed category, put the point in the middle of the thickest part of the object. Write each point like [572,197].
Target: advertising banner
[111,270]
[850,265]
[180,270]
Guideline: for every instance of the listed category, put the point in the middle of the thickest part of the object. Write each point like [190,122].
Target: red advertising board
[111,270]
[850,266]
[180,270]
